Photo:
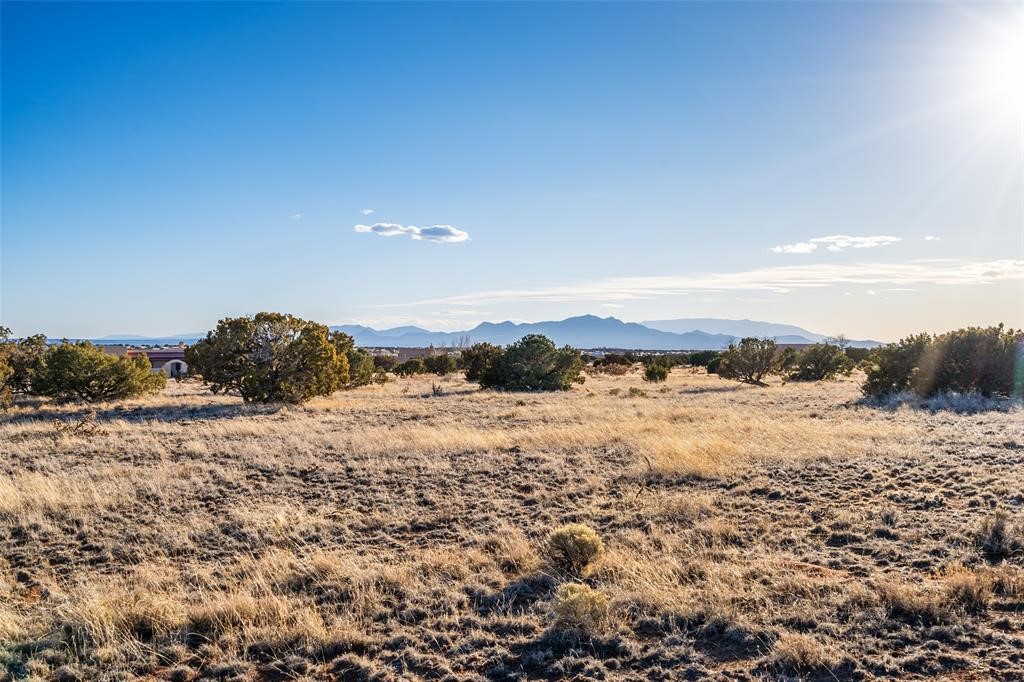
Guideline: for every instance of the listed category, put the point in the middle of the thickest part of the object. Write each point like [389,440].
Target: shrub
[714,364]
[361,370]
[857,355]
[386,363]
[410,367]
[475,359]
[440,364]
[892,366]
[614,370]
[979,360]
[655,373]
[82,371]
[749,361]
[820,362]
[998,538]
[275,358]
[626,359]
[802,653]
[20,361]
[573,547]
[708,359]
[579,607]
[533,363]
[6,395]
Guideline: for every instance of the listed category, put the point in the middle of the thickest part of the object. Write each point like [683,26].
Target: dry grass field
[391,533]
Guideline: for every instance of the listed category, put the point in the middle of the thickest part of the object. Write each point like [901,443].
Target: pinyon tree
[271,357]
[82,371]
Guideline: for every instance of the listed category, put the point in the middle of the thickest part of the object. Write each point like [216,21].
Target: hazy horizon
[850,168]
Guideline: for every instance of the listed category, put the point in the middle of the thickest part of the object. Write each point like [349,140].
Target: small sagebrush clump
[998,538]
[579,607]
[802,653]
[574,546]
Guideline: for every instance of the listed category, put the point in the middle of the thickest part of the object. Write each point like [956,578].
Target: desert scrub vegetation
[71,372]
[533,363]
[384,534]
[271,357]
[580,607]
[574,547]
[655,372]
[988,361]
[820,362]
[750,361]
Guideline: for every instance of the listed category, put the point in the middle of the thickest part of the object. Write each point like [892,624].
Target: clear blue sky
[165,165]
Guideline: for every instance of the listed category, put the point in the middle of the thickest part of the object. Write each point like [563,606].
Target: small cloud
[799,247]
[295,216]
[611,305]
[386,229]
[445,234]
[839,242]
[870,292]
[441,233]
[932,238]
[366,211]
[836,242]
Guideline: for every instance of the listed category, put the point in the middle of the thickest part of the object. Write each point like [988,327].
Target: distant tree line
[272,357]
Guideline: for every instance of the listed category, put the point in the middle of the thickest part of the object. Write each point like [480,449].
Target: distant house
[170,361]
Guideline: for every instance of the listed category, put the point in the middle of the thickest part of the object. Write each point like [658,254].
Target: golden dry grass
[387,533]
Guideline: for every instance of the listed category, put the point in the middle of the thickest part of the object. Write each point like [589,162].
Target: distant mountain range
[590,331]
[585,331]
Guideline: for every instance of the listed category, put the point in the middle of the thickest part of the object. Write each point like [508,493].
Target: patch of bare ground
[390,533]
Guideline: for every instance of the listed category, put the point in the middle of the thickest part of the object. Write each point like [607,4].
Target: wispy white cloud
[386,229]
[295,216]
[837,242]
[799,247]
[932,238]
[778,280]
[612,305]
[366,211]
[444,234]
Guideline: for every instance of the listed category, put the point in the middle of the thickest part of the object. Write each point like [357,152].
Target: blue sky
[849,167]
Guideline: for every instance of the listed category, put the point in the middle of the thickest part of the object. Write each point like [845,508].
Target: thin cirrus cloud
[366,211]
[441,234]
[836,242]
[779,280]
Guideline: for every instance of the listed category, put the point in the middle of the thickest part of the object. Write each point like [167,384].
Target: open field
[390,533]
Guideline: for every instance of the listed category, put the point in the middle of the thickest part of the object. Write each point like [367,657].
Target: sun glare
[993,73]
[1000,70]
